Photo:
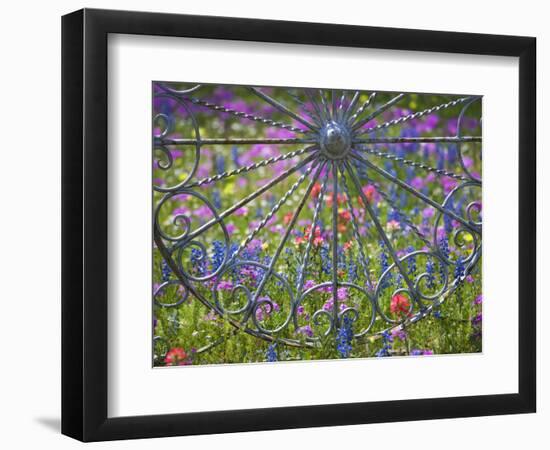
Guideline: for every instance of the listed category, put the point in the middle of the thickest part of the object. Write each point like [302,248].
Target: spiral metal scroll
[339,149]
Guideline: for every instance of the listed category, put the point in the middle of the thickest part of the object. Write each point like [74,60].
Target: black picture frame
[84,224]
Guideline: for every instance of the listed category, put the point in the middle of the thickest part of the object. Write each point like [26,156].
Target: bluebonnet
[216,199]
[271,353]
[407,147]
[235,156]
[326,262]
[218,254]
[440,157]
[166,271]
[452,153]
[444,247]
[197,261]
[437,313]
[352,270]
[430,270]
[344,338]
[409,173]
[387,341]
[394,215]
[388,166]
[411,262]
[220,164]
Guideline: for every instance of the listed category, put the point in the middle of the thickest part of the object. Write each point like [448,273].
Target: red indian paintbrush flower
[176,357]
[399,304]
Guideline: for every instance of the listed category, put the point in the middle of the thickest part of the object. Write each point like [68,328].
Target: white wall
[30,236]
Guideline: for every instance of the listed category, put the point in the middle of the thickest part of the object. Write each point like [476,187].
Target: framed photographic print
[276,224]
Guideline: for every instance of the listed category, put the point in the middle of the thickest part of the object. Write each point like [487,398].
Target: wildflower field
[306,224]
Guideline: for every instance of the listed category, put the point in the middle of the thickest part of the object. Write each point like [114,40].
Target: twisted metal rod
[235,141]
[416,140]
[324,103]
[244,115]
[250,167]
[413,163]
[334,243]
[377,112]
[413,191]
[305,260]
[354,117]
[364,260]
[415,115]
[282,108]
[405,218]
[289,228]
[306,108]
[381,232]
[351,106]
[316,107]
[250,197]
[273,211]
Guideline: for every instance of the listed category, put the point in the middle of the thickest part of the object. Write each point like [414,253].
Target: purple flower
[225,285]
[305,330]
[476,320]
[399,334]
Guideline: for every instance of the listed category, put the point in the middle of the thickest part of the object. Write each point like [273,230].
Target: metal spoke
[415,115]
[250,197]
[250,167]
[236,141]
[282,108]
[244,115]
[413,163]
[354,117]
[351,106]
[273,211]
[289,228]
[326,108]
[305,260]
[340,112]
[404,217]
[364,261]
[335,242]
[413,191]
[378,111]
[417,140]
[382,233]
[320,115]
[305,107]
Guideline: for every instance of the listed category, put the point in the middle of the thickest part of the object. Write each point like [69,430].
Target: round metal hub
[335,140]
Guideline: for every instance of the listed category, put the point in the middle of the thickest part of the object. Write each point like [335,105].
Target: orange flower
[345,215]
[370,193]
[315,190]
[340,199]
[317,238]
[348,245]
